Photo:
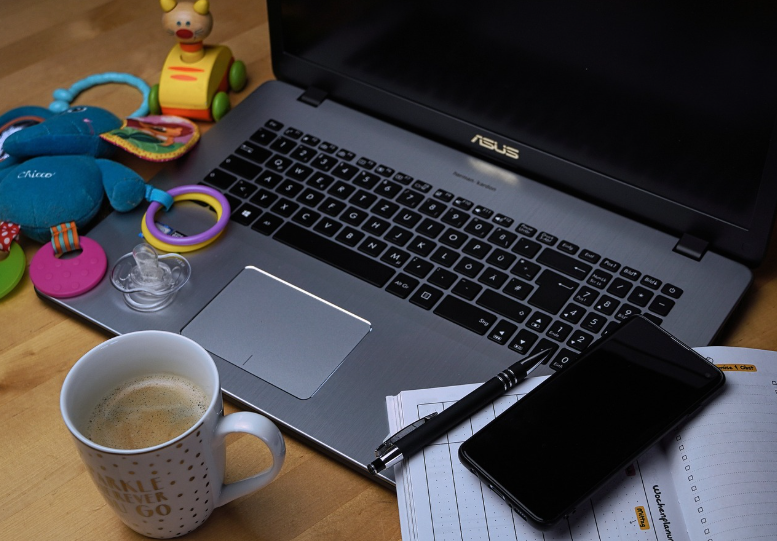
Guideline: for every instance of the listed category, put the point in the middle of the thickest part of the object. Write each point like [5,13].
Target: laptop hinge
[692,247]
[313,96]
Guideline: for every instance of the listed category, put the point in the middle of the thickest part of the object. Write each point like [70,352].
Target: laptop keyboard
[521,288]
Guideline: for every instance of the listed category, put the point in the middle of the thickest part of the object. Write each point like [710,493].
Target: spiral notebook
[713,480]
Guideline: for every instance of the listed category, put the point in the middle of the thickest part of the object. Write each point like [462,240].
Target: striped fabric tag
[64,238]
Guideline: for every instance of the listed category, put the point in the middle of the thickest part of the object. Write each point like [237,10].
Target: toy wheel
[153,101]
[237,76]
[221,105]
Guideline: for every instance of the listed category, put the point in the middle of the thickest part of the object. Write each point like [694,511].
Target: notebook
[431,190]
[713,479]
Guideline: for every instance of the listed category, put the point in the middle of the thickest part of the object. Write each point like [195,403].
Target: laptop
[430,191]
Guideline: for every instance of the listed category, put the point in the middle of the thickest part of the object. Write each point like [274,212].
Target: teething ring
[168,243]
[11,269]
[62,278]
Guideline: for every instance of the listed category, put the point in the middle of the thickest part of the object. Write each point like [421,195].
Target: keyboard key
[493,278]
[467,289]
[563,359]
[421,246]
[407,218]
[299,172]
[539,321]
[518,289]
[455,217]
[372,246]
[363,199]
[640,296]
[398,235]
[285,208]
[502,237]
[310,197]
[338,256]
[268,180]
[241,167]
[354,216]
[432,208]
[332,207]
[606,305]
[547,238]
[320,181]
[572,313]
[626,311]
[631,274]
[553,292]
[341,190]
[267,223]
[568,247]
[502,332]
[594,322]
[672,291]
[350,236]
[661,305]
[366,180]
[590,256]
[619,287]
[410,198]
[462,203]
[263,136]
[586,296]
[649,281]
[523,342]
[503,306]
[525,269]
[252,152]
[246,214]
[527,230]
[599,278]
[610,265]
[468,316]
[478,227]
[323,162]
[395,257]
[220,179]
[559,331]
[564,263]
[419,267]
[402,285]
[303,154]
[290,188]
[580,340]
[500,258]
[327,227]
[345,171]
[243,188]
[388,189]
[385,209]
[468,267]
[430,228]
[263,198]
[453,238]
[376,226]
[442,278]
[306,217]
[526,247]
[444,256]
[283,145]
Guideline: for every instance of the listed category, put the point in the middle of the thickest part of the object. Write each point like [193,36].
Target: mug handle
[265,430]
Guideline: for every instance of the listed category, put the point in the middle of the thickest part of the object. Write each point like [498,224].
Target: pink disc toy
[62,278]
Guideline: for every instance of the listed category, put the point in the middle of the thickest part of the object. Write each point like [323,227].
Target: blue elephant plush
[54,170]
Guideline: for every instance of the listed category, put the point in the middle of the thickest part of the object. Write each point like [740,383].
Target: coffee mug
[128,394]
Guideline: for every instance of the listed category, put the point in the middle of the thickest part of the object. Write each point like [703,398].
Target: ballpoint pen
[417,435]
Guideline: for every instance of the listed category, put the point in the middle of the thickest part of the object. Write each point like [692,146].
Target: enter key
[553,292]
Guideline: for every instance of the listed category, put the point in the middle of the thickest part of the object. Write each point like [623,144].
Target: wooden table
[45,492]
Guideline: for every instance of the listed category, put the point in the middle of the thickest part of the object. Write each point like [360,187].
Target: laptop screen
[676,101]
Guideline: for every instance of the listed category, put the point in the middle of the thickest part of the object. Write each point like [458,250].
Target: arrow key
[502,332]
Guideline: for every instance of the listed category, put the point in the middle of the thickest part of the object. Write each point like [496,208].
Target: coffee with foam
[146,411]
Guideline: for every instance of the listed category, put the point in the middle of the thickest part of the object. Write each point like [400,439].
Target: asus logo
[490,144]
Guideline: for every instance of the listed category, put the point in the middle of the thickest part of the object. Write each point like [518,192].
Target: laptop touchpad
[278,332]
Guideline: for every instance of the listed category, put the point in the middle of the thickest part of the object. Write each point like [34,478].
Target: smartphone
[561,442]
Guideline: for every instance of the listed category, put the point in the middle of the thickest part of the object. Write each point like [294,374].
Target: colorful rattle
[168,243]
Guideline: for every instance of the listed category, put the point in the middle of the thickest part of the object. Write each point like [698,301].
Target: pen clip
[386,445]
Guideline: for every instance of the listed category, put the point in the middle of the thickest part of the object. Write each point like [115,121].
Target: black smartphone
[556,446]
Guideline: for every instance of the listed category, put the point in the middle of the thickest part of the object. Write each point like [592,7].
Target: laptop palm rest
[278,332]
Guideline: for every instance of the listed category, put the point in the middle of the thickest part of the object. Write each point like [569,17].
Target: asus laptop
[431,190]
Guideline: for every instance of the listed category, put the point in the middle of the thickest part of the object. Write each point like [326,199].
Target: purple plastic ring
[205,236]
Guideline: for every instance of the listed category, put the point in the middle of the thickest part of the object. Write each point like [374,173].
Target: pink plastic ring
[62,278]
[205,236]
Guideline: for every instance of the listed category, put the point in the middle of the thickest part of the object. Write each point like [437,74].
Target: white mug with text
[146,412]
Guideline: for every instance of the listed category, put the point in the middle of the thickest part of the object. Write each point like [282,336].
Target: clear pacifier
[150,282]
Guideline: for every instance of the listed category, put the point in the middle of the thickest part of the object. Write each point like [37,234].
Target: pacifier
[149,282]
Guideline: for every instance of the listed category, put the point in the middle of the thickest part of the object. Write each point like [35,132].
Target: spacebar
[335,254]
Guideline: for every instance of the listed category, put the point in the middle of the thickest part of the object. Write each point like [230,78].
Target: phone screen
[562,441]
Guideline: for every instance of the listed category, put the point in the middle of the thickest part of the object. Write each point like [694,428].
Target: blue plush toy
[55,172]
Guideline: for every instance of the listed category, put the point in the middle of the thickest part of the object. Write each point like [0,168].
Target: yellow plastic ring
[191,196]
